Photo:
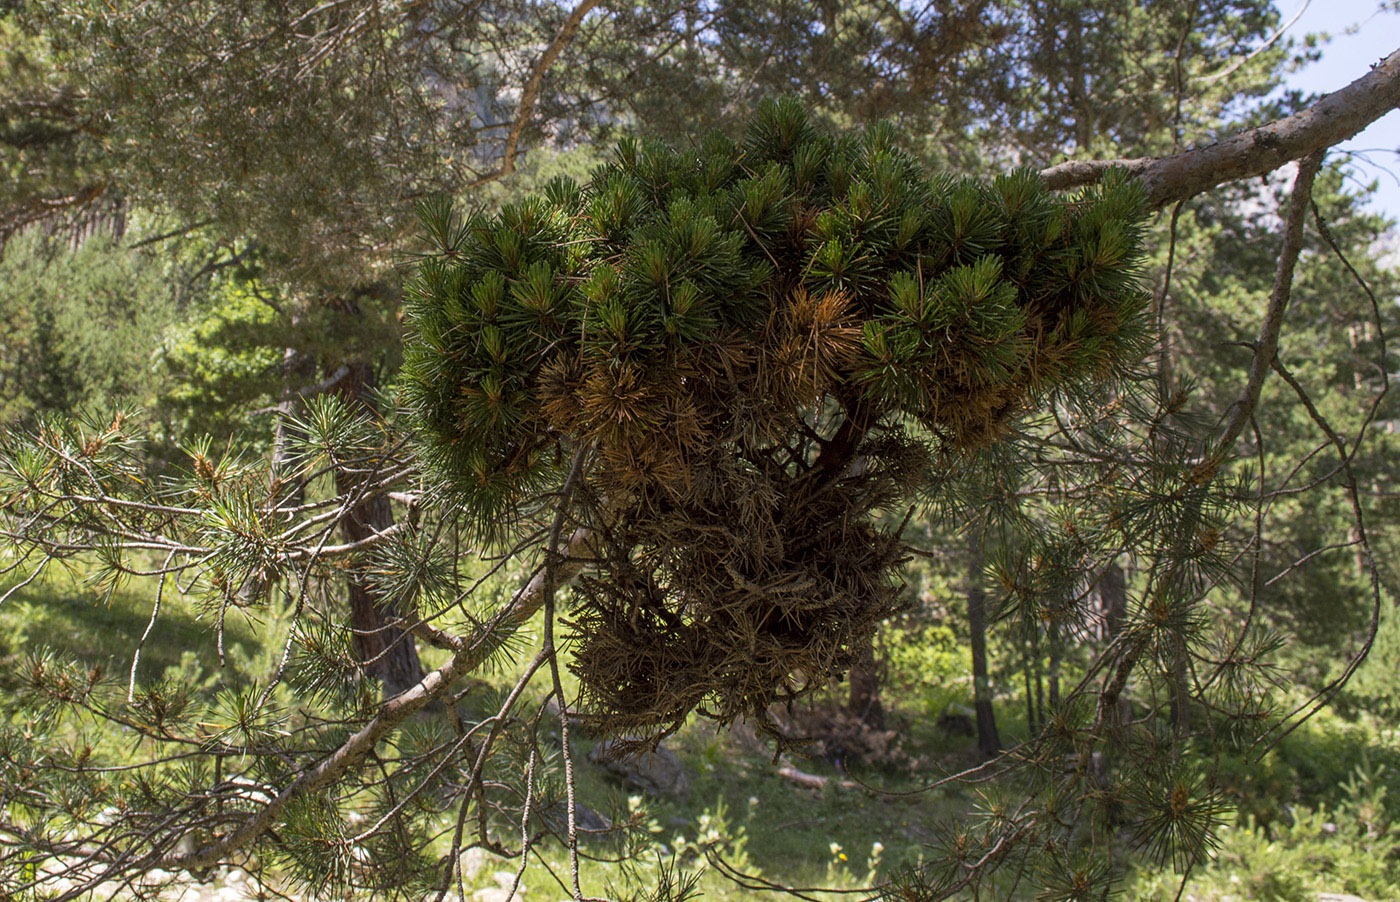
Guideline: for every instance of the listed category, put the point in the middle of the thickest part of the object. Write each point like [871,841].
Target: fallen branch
[811,781]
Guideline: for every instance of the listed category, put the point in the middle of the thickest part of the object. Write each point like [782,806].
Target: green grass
[68,614]
[763,823]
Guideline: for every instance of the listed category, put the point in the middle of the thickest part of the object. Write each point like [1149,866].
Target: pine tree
[690,388]
[758,345]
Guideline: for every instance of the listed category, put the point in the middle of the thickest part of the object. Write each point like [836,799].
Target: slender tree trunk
[1181,691]
[1039,683]
[1113,591]
[383,647]
[864,701]
[1084,123]
[1030,691]
[298,370]
[988,742]
[1054,674]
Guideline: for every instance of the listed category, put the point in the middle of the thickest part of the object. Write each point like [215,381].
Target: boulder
[495,894]
[656,772]
[958,720]
[474,860]
[504,880]
[587,821]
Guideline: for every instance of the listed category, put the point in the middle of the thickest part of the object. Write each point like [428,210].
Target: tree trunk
[384,649]
[298,370]
[1039,683]
[1113,592]
[864,702]
[988,742]
[1181,691]
[1030,692]
[1035,687]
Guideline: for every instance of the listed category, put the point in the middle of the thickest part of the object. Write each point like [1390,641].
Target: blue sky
[1361,36]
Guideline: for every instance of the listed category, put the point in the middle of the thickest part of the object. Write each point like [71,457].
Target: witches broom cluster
[767,348]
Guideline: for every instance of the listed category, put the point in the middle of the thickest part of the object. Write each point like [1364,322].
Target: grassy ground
[1319,812]
[66,613]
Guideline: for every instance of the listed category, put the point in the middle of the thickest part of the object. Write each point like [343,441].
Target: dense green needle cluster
[620,311]
[756,340]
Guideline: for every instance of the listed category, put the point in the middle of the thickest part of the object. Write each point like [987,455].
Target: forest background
[210,215]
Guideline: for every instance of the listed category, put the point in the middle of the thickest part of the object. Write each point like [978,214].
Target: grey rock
[956,724]
[506,879]
[474,860]
[586,820]
[656,772]
[495,894]
[958,720]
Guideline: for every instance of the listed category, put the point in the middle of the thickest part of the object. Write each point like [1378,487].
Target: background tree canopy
[417,411]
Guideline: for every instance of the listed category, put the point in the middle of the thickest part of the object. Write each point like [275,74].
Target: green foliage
[242,84]
[218,360]
[1350,845]
[926,666]
[1331,344]
[247,346]
[1376,687]
[77,326]
[567,318]
[692,322]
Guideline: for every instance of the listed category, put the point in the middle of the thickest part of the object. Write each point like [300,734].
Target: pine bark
[1113,593]
[988,740]
[1253,152]
[383,646]
[864,702]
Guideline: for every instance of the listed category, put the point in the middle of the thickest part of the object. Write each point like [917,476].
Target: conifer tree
[757,345]
[687,388]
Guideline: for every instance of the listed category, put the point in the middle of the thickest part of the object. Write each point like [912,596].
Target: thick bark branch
[1258,151]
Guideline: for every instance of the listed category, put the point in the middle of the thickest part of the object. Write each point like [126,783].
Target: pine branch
[532,90]
[558,570]
[1266,346]
[1257,151]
